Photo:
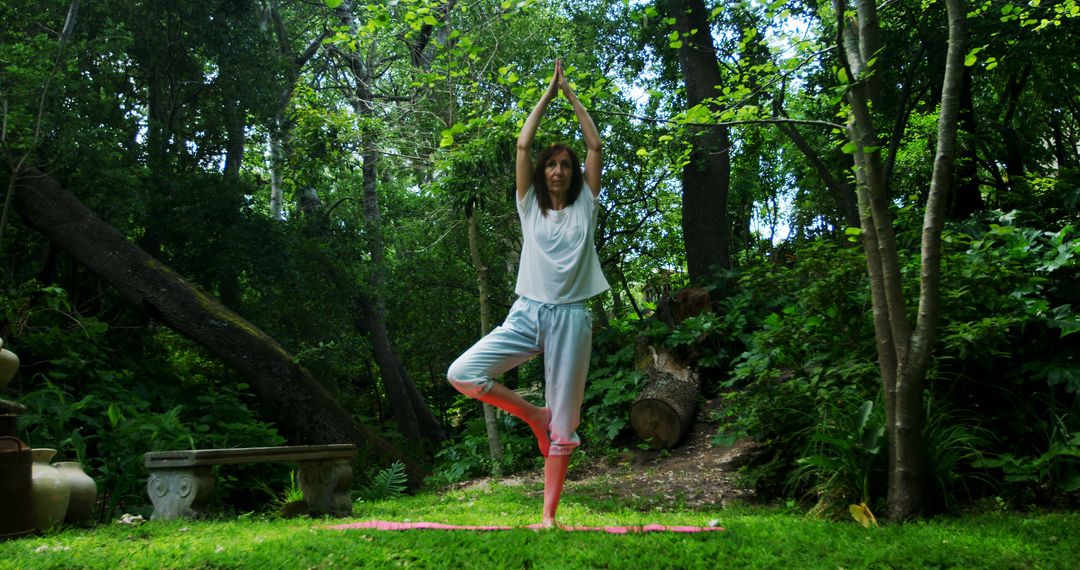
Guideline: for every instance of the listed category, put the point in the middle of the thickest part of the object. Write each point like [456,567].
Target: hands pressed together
[559,83]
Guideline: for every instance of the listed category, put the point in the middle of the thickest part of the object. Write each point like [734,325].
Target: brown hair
[543,196]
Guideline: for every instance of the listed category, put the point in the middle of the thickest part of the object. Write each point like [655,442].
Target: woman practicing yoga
[558,272]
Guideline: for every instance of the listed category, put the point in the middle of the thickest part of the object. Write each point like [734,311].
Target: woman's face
[558,171]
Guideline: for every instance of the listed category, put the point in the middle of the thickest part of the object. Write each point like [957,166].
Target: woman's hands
[594,162]
[524,162]
[594,157]
[556,81]
[564,85]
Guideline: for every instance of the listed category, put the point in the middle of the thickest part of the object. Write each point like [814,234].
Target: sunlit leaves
[673,40]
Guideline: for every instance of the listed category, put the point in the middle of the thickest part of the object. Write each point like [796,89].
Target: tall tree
[280,132]
[494,445]
[706,178]
[413,416]
[903,352]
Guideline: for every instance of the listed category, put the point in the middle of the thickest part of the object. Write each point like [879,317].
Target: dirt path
[694,475]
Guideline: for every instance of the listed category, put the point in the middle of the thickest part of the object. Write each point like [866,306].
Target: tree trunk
[1014,155]
[906,494]
[277,162]
[494,445]
[406,417]
[302,409]
[903,355]
[235,124]
[965,197]
[707,177]
[281,129]
[413,416]
[1064,148]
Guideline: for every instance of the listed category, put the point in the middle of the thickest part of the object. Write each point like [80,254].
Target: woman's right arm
[528,133]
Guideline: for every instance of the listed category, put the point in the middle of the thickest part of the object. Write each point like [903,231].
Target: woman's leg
[554,476]
[538,418]
[510,344]
[567,347]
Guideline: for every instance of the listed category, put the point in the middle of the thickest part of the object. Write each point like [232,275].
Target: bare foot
[540,430]
[549,525]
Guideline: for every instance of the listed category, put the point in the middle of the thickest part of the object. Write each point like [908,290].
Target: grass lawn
[755,538]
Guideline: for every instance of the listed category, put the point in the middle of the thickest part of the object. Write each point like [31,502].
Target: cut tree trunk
[664,409]
[302,409]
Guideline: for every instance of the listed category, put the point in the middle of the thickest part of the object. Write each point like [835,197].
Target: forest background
[257,222]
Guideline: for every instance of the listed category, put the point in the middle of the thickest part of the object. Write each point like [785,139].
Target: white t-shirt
[558,257]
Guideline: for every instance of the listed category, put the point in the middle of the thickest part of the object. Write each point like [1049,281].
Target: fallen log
[664,409]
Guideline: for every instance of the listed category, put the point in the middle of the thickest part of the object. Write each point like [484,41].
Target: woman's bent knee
[462,381]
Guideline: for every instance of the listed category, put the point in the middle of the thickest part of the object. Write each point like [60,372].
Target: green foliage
[291,493]
[612,384]
[954,445]
[713,339]
[843,458]
[138,125]
[468,456]
[844,461]
[105,409]
[1054,469]
[1007,320]
[385,484]
[808,350]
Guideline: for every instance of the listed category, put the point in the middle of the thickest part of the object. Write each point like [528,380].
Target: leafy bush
[954,450]
[469,456]
[104,408]
[1005,342]
[612,385]
[810,355]
[843,458]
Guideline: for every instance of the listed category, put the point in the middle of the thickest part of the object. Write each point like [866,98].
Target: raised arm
[528,133]
[594,157]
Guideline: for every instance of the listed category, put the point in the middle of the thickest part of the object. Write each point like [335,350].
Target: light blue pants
[563,334]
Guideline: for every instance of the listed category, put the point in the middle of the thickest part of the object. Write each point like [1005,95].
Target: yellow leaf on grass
[863,515]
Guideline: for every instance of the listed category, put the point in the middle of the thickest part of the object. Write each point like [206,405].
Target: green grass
[755,538]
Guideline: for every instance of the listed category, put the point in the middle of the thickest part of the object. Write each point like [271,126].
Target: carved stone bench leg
[177,493]
[325,485]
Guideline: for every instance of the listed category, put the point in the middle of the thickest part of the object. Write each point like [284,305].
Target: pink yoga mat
[389,525]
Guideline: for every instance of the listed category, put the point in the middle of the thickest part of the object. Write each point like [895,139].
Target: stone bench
[181,481]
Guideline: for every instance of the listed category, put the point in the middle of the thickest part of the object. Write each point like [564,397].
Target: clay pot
[83,492]
[16,496]
[51,491]
[9,364]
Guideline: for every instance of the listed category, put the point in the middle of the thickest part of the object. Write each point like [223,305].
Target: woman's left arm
[594,157]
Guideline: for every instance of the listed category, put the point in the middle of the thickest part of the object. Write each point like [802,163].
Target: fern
[386,484]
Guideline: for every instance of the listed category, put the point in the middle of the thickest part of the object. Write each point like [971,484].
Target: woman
[558,272]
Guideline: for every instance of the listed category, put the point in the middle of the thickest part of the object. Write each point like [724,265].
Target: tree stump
[664,409]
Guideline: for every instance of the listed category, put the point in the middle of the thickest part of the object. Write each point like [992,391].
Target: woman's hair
[540,181]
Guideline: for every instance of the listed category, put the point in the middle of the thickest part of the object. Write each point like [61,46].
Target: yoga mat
[390,525]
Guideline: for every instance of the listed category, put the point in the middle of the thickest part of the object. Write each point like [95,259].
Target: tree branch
[772,121]
[17,167]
